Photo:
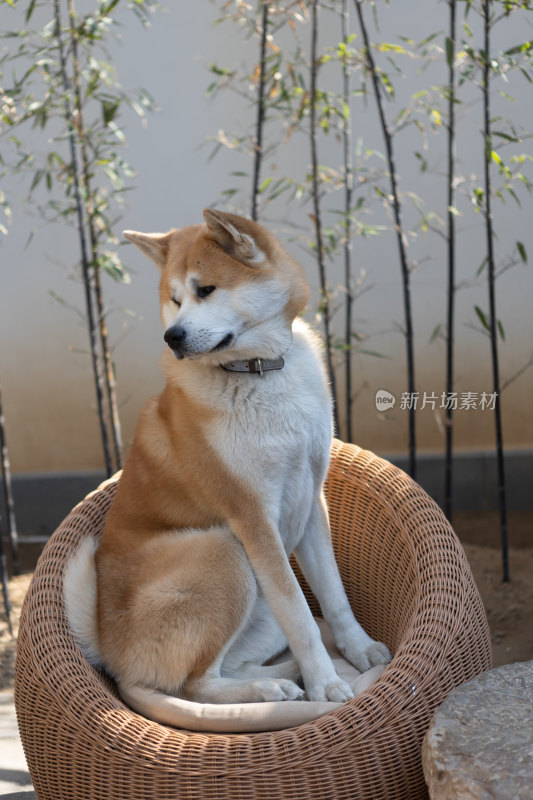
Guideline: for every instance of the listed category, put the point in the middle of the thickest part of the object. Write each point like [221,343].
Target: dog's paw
[364,658]
[336,692]
[378,653]
[276,689]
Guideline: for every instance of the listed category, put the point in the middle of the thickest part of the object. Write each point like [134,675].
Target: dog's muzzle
[175,338]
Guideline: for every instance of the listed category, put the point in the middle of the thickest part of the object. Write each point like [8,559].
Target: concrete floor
[15,782]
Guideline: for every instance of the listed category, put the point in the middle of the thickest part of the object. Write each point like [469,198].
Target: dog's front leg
[265,551]
[317,561]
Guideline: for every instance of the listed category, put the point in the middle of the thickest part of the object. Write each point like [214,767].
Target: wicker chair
[410,585]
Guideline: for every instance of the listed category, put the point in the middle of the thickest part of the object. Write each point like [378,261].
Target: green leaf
[481,266]
[436,332]
[266,183]
[29,10]
[477,198]
[501,330]
[107,8]
[387,47]
[113,266]
[426,41]
[482,318]
[435,116]
[373,353]
[109,110]
[505,136]
[449,51]
[37,179]
[522,251]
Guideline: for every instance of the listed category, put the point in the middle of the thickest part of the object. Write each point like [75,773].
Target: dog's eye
[203,291]
[176,302]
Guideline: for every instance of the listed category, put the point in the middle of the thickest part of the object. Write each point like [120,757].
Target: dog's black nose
[175,337]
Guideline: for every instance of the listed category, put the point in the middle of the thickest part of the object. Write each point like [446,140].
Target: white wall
[47,388]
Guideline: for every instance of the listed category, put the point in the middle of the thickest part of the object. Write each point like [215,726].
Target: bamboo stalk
[448,462]
[502,494]
[8,493]
[348,192]
[6,473]
[258,158]
[3,577]
[80,216]
[396,206]
[109,374]
[324,289]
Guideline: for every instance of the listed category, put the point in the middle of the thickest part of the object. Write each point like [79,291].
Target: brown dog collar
[254,366]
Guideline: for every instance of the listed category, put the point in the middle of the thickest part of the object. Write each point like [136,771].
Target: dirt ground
[509,606]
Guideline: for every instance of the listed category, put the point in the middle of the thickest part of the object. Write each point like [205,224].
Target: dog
[190,590]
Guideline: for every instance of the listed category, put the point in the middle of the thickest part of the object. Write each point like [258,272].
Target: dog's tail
[79,595]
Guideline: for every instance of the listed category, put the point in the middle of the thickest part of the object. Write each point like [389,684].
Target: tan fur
[173,481]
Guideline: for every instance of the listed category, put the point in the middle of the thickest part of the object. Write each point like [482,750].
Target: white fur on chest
[274,433]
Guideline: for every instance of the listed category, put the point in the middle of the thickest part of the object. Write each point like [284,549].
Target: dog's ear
[153,245]
[228,231]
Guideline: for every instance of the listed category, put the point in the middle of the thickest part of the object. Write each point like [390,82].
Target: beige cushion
[243,717]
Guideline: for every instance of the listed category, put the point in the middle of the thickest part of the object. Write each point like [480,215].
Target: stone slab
[15,782]
[480,743]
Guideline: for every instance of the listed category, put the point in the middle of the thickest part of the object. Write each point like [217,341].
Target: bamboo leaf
[266,183]
[109,110]
[436,332]
[108,7]
[373,353]
[481,267]
[505,136]
[387,47]
[501,330]
[522,251]
[29,10]
[435,116]
[449,51]
[482,318]
[38,176]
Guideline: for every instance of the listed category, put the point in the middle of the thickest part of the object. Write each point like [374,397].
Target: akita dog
[190,590]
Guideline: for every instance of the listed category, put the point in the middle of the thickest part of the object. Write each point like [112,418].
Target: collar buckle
[256,366]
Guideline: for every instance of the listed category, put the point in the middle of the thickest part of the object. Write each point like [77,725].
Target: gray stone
[480,743]
[15,782]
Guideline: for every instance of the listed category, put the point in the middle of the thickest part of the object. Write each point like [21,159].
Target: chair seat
[409,583]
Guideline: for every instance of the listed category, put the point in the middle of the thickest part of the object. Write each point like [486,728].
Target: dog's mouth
[223,344]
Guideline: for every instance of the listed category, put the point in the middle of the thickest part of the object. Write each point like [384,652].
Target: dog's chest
[275,439]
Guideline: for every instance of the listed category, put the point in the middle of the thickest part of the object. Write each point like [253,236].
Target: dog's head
[228,289]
